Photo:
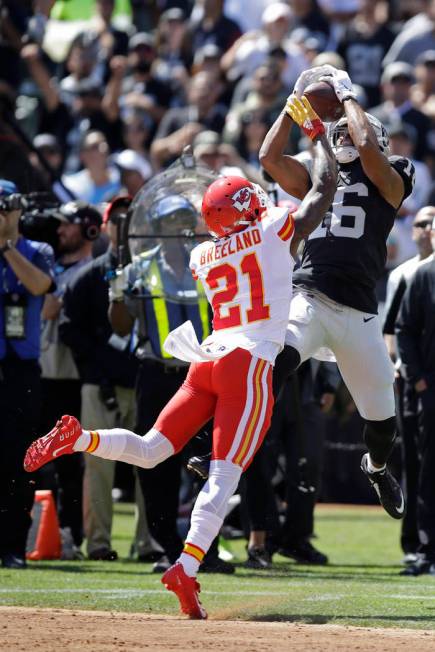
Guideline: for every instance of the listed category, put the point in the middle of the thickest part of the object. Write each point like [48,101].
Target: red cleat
[186,589]
[59,441]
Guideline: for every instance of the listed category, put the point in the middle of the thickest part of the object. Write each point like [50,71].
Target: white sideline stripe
[139,592]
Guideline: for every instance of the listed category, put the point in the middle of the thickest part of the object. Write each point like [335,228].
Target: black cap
[76,212]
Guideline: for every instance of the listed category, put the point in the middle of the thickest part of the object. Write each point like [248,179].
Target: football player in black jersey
[334,305]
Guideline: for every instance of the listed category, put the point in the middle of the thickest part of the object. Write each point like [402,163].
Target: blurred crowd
[119,105]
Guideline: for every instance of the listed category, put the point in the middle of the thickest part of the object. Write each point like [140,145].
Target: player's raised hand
[341,83]
[310,76]
[301,112]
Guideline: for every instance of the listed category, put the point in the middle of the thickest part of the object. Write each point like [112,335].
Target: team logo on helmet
[242,198]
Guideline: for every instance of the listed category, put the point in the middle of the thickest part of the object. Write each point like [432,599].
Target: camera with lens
[13,202]
[39,217]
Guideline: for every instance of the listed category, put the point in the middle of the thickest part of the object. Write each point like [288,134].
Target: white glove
[118,285]
[310,76]
[341,83]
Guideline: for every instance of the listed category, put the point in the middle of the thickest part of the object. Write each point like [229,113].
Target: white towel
[183,344]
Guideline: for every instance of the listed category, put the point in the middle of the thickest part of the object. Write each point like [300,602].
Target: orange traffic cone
[43,541]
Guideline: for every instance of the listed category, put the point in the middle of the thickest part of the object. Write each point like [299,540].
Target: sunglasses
[423,224]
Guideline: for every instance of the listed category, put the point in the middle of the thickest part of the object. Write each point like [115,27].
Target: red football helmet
[230,204]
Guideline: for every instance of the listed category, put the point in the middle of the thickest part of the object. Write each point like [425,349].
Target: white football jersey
[247,278]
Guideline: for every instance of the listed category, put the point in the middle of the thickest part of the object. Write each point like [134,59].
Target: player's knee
[222,482]
[379,437]
[153,448]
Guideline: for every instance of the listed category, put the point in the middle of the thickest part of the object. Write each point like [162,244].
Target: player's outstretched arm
[375,164]
[324,173]
[285,170]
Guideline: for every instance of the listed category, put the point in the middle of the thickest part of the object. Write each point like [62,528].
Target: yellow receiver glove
[301,112]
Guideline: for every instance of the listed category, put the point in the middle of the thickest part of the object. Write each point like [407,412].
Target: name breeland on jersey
[237,242]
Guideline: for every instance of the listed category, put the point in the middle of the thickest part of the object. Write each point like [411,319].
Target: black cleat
[388,489]
[13,561]
[217,565]
[422,566]
[200,465]
[259,558]
[304,553]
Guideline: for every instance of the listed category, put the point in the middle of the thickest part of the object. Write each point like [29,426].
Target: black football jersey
[346,254]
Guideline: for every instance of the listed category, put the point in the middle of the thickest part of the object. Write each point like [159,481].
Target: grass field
[360,586]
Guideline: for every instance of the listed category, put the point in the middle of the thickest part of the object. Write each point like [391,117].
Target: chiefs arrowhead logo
[242,198]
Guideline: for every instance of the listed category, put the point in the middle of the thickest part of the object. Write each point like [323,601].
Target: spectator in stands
[111,41]
[363,46]
[180,126]
[79,226]
[70,121]
[20,22]
[308,16]
[423,91]
[47,146]
[135,170]
[338,13]
[26,268]
[210,25]
[99,181]
[81,63]
[137,127]
[397,80]
[252,49]
[173,55]
[403,138]
[254,127]
[209,149]
[208,59]
[415,37]
[267,94]
[141,88]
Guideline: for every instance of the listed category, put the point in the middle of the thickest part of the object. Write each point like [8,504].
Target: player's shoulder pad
[195,254]
[281,221]
[406,169]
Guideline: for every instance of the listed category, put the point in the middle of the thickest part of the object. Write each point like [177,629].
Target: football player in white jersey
[246,271]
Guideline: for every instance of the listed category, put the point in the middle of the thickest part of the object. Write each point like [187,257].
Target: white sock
[83,441]
[126,446]
[189,564]
[371,468]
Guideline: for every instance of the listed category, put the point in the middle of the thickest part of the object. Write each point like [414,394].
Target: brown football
[323,99]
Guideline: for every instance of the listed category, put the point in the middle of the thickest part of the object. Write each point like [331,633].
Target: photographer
[107,370]
[78,226]
[26,271]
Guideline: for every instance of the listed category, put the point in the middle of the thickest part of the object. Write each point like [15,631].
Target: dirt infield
[51,630]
